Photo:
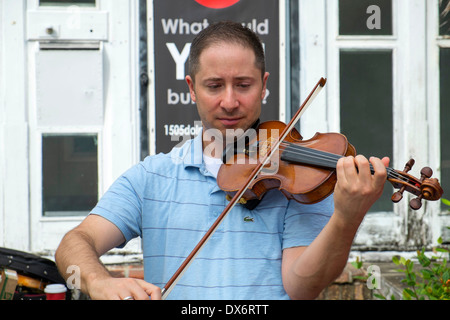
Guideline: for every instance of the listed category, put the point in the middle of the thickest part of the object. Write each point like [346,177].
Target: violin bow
[274,146]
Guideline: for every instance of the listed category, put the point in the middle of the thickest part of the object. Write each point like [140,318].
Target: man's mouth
[229,121]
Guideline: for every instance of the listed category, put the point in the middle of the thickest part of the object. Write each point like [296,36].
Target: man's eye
[213,86]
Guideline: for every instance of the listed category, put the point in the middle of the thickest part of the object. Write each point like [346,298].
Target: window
[69,174]
[444,17]
[366,106]
[357,17]
[366,88]
[85,3]
[445,118]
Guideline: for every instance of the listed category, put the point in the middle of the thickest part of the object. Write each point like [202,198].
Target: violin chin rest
[252,204]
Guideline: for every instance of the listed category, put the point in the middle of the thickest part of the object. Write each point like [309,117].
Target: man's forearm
[76,249]
[321,262]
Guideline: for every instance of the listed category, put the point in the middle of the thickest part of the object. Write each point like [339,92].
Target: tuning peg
[409,165]
[426,172]
[416,203]
[397,196]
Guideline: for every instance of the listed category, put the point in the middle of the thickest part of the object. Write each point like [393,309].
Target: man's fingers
[137,289]
[386,161]
[151,290]
[348,168]
[379,167]
[356,172]
[363,167]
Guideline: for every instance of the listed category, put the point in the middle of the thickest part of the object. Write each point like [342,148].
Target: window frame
[440,217]
[383,223]
[36,154]
[67,213]
[414,105]
[36,4]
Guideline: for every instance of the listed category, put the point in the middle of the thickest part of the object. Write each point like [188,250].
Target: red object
[55,292]
[217,4]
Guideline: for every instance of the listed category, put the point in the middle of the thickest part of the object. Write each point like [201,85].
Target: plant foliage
[430,279]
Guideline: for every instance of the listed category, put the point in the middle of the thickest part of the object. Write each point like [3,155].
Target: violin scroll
[424,188]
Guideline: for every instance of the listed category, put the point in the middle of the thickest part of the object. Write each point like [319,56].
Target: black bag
[31,266]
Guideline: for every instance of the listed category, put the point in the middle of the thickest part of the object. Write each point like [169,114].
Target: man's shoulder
[179,155]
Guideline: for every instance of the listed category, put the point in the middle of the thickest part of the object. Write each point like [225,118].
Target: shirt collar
[192,154]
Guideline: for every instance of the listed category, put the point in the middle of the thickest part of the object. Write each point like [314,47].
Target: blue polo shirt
[171,200]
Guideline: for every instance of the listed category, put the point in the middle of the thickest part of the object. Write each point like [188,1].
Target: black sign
[176,23]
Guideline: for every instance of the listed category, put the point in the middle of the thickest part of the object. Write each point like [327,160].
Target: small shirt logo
[249,219]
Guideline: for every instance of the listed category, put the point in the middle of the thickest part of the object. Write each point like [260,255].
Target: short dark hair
[226,31]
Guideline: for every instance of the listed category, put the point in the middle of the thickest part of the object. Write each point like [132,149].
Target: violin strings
[330,157]
[326,159]
[313,153]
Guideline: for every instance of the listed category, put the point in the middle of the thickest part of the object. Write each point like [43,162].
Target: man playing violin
[279,250]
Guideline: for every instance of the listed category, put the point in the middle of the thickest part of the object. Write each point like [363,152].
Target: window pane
[366,106]
[444,17]
[86,3]
[365,17]
[69,174]
[445,120]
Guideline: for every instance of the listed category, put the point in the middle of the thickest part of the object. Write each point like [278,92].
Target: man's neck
[213,147]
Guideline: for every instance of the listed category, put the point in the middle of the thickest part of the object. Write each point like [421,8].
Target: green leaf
[409,265]
[400,270]
[411,279]
[379,296]
[406,294]
[410,292]
[445,201]
[357,264]
[439,240]
[411,283]
[446,276]
[396,260]
[427,274]
[424,261]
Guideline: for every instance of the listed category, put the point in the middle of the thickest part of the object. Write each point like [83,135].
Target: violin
[303,170]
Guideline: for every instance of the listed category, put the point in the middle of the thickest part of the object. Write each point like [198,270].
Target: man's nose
[229,99]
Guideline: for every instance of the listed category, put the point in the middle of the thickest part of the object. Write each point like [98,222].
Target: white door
[80,82]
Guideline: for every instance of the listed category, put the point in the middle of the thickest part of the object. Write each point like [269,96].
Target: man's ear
[264,88]
[190,83]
